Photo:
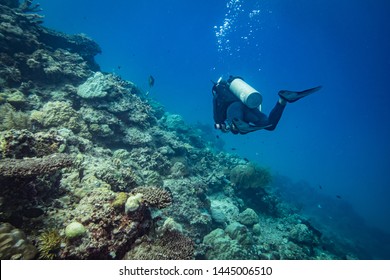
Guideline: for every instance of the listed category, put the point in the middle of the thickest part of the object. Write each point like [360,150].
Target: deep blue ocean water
[334,143]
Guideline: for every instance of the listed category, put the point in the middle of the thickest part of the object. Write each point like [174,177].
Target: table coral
[28,167]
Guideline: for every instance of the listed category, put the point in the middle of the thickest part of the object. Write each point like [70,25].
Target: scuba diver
[237,106]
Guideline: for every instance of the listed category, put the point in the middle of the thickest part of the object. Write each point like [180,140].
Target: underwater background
[329,156]
[337,139]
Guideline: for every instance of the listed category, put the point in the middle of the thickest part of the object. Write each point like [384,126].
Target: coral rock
[133,203]
[95,87]
[14,244]
[248,217]
[74,229]
[248,176]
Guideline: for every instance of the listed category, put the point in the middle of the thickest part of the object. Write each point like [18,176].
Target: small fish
[319,206]
[217,136]
[233,149]
[119,67]
[246,160]
[151,81]
[339,197]
[320,187]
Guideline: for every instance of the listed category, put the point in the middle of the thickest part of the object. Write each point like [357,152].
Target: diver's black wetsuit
[242,119]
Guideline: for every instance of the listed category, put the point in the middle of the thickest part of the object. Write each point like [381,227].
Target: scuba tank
[247,94]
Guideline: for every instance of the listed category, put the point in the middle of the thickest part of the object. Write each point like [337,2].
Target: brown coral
[23,143]
[14,244]
[250,176]
[110,233]
[29,167]
[173,245]
[154,196]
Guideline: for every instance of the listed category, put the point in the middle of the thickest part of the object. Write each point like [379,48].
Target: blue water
[336,140]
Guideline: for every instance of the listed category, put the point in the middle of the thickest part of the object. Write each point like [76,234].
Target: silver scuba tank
[247,94]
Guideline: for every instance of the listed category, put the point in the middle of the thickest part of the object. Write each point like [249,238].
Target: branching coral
[154,196]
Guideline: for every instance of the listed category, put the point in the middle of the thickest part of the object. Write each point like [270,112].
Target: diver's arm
[219,117]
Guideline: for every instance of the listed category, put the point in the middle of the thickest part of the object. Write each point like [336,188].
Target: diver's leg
[256,117]
[275,115]
[260,119]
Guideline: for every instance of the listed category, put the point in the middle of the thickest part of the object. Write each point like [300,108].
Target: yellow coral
[120,200]
[49,243]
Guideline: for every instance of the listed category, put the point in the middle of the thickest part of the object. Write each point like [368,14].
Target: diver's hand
[223,127]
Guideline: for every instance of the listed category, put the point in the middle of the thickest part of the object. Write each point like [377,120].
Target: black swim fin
[292,96]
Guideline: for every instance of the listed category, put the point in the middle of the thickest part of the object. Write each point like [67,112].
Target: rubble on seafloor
[90,168]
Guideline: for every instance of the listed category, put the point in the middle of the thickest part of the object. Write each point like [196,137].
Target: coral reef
[56,66]
[223,210]
[109,231]
[233,243]
[91,168]
[250,176]
[33,52]
[193,211]
[60,114]
[248,217]
[172,245]
[23,143]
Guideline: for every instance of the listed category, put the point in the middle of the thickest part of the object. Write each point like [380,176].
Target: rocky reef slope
[90,168]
